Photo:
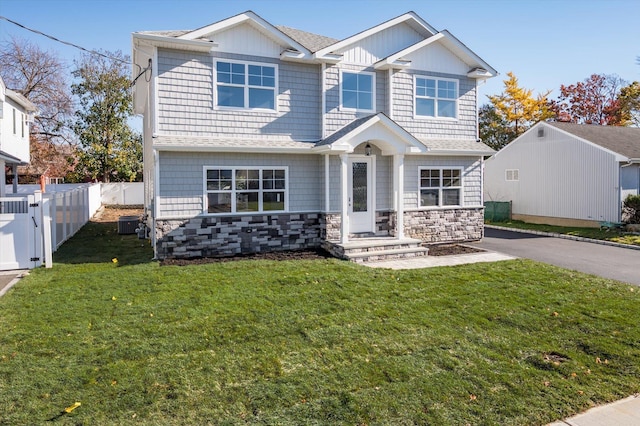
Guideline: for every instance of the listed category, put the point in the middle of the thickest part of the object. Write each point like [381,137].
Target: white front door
[361,194]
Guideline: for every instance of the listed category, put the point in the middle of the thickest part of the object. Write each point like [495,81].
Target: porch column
[344,199]
[327,183]
[3,180]
[398,193]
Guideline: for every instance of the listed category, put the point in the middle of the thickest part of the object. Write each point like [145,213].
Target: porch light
[367,150]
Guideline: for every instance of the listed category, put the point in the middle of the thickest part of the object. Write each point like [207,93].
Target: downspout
[155,202]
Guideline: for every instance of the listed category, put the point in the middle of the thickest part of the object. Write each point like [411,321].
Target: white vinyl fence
[33,224]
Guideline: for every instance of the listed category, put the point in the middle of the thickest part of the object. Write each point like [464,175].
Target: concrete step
[390,254]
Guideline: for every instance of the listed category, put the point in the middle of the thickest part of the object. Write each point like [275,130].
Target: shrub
[631,209]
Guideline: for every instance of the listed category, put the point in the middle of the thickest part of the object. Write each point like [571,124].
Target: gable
[380,45]
[246,40]
[437,58]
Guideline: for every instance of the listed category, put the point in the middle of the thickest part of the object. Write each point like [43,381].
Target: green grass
[308,342]
[593,233]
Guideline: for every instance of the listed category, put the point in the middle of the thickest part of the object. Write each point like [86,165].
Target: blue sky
[545,43]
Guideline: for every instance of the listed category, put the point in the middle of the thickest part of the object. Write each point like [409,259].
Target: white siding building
[16,112]
[566,174]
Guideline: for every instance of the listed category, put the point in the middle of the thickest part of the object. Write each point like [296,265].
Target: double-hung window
[246,85]
[440,187]
[436,97]
[357,91]
[246,189]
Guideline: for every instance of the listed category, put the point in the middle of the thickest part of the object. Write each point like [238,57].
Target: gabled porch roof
[387,135]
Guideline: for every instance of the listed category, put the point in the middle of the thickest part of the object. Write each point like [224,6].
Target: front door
[361,195]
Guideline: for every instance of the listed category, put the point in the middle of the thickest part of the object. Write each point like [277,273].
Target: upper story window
[246,85]
[357,91]
[440,187]
[436,97]
[246,189]
[15,131]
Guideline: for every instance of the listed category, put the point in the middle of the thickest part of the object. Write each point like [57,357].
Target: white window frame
[435,98]
[234,191]
[373,91]
[246,86]
[440,187]
[512,175]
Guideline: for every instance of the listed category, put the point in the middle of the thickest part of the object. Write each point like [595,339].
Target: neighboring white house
[261,138]
[16,112]
[566,174]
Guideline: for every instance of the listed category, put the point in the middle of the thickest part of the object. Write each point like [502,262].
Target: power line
[93,52]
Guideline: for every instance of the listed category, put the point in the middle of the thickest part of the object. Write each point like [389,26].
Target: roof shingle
[622,140]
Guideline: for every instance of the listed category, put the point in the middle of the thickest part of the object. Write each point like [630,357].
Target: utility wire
[93,52]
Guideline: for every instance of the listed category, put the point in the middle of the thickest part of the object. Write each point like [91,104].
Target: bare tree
[42,78]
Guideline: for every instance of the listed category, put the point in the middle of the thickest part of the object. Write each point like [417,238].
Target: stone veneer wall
[217,236]
[442,226]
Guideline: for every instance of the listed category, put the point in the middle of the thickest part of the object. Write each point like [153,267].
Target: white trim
[344,199]
[153,90]
[373,91]
[390,93]
[440,188]
[373,30]
[327,183]
[175,43]
[371,188]
[435,98]
[398,193]
[246,86]
[392,61]
[241,18]
[233,191]
[323,97]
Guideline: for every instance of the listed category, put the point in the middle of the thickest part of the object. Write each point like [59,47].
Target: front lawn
[309,342]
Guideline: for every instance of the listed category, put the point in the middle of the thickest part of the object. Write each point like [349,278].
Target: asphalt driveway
[606,261]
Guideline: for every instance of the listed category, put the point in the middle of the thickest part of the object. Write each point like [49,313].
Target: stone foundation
[445,226]
[219,236]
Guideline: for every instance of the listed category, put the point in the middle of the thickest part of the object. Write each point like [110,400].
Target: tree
[42,78]
[109,149]
[629,99]
[511,113]
[593,101]
[494,129]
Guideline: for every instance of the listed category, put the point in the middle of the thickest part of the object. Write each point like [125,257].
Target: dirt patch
[451,249]
[113,213]
[278,255]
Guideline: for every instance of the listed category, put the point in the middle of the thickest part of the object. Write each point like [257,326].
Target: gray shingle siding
[181,183]
[185,100]
[464,127]
[471,177]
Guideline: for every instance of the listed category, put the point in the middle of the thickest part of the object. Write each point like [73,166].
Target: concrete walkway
[625,412]
[432,261]
[9,278]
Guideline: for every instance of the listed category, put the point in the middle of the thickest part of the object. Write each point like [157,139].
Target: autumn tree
[109,149]
[42,77]
[593,101]
[629,101]
[511,113]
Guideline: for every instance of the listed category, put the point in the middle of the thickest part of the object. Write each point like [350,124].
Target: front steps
[361,250]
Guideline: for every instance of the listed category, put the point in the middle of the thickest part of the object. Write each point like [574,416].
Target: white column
[344,199]
[398,193]
[327,183]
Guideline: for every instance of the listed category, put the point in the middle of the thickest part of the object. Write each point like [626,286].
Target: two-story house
[261,138]
[16,112]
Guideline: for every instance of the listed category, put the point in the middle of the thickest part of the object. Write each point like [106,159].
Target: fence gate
[21,232]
